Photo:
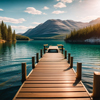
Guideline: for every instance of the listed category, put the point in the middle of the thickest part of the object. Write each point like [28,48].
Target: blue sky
[25,14]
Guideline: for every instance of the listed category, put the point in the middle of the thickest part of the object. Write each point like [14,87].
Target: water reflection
[6,50]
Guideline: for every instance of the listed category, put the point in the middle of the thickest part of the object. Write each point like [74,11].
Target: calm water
[12,55]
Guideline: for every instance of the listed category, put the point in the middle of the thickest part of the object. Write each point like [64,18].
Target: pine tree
[2,30]
[9,37]
[5,32]
[0,34]
[14,36]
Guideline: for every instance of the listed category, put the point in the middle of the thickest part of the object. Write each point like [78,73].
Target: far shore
[81,42]
[26,40]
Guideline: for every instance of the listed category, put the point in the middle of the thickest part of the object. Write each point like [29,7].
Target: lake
[12,55]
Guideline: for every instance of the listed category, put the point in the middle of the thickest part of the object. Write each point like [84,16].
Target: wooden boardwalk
[52,79]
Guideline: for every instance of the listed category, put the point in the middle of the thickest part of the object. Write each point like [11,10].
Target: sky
[25,14]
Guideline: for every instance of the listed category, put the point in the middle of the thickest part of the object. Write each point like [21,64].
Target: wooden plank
[57,77]
[68,94]
[73,89]
[48,75]
[51,79]
[54,99]
[51,85]
[52,82]
[53,63]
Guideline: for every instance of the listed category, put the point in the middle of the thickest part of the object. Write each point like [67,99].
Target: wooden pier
[52,79]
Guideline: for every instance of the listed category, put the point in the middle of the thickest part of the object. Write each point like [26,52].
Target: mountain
[54,27]
[96,21]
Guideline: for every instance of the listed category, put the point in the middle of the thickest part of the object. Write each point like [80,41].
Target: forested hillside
[6,33]
[21,37]
[84,33]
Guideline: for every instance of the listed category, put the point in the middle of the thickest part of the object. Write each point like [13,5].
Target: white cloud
[67,1]
[58,0]
[59,5]
[80,1]
[36,23]
[58,12]
[44,14]
[32,10]
[45,7]
[1,9]
[12,20]
[22,27]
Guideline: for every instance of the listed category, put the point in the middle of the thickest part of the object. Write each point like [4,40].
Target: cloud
[59,5]
[22,27]
[58,12]
[67,1]
[12,20]
[58,0]
[1,9]
[80,1]
[44,14]
[45,7]
[36,23]
[32,10]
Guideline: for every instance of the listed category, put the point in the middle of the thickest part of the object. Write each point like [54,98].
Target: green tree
[3,30]
[85,33]
[9,37]
[14,36]
[0,34]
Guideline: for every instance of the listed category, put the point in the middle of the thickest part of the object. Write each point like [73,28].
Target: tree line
[6,32]
[21,37]
[84,33]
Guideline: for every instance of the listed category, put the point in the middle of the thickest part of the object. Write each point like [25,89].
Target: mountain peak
[95,21]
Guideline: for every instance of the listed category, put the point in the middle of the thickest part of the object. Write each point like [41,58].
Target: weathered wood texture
[52,79]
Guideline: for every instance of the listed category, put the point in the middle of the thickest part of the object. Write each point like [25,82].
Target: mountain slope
[55,27]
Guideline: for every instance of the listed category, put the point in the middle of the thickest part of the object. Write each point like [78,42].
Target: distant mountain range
[56,28]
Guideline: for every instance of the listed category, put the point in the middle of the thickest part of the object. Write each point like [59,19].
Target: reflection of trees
[14,44]
[5,48]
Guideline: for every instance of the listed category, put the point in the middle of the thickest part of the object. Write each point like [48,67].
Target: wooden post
[62,49]
[68,57]
[37,57]
[33,62]
[24,72]
[65,54]
[44,48]
[96,85]
[71,62]
[41,53]
[79,71]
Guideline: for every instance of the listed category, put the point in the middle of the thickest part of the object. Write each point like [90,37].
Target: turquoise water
[12,55]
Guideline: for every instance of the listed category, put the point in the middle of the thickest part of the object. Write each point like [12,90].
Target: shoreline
[82,42]
[2,41]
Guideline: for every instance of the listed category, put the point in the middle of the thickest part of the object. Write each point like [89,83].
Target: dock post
[68,57]
[79,71]
[24,72]
[71,62]
[41,53]
[65,54]
[33,62]
[44,48]
[62,48]
[37,57]
[96,85]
